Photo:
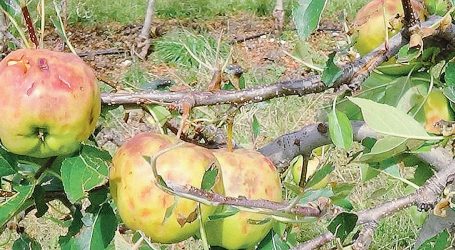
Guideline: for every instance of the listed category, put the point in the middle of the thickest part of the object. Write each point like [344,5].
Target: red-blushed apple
[141,204]
[245,173]
[49,102]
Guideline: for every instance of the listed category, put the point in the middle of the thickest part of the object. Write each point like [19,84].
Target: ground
[266,59]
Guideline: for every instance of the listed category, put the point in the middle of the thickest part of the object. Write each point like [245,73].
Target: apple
[245,173]
[370,26]
[296,168]
[436,108]
[141,204]
[49,101]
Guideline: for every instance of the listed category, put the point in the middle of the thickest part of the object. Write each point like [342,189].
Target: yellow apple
[245,173]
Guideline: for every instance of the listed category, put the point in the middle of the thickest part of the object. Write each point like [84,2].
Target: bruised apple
[245,173]
[49,102]
[371,24]
[142,205]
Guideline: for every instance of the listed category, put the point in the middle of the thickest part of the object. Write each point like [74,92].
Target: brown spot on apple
[145,212]
[145,192]
[131,204]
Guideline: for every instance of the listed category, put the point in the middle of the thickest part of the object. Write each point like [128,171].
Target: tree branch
[284,148]
[410,18]
[353,75]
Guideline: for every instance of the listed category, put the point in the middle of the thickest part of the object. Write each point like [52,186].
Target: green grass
[126,11]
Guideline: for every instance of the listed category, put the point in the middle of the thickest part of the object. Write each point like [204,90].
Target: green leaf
[313,195]
[385,148]
[170,210]
[342,225]
[67,241]
[406,54]
[256,127]
[26,243]
[422,173]
[307,16]
[16,203]
[226,212]
[319,175]
[7,163]
[97,199]
[279,228]
[160,114]
[40,202]
[272,242]
[342,190]
[440,241]
[344,203]
[450,74]
[84,172]
[389,120]
[367,172]
[340,129]
[209,178]
[101,230]
[331,72]
[242,83]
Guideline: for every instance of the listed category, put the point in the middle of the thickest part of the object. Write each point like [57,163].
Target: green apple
[142,205]
[245,173]
[49,101]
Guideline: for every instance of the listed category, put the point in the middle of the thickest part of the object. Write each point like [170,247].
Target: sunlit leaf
[389,120]
[85,171]
[16,203]
[331,71]
[340,129]
[307,16]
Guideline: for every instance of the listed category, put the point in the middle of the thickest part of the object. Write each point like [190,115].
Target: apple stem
[302,181]
[29,24]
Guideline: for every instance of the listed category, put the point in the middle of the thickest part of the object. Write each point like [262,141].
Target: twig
[246,38]
[279,210]
[353,75]
[366,236]
[410,18]
[112,51]
[302,142]
[43,168]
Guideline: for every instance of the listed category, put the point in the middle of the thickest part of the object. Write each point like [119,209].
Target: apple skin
[245,173]
[369,30]
[313,164]
[141,204]
[369,24]
[436,108]
[50,102]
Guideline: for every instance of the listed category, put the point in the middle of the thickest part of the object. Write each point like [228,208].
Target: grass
[126,11]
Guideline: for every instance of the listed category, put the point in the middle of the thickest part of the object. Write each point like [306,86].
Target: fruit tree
[188,181]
